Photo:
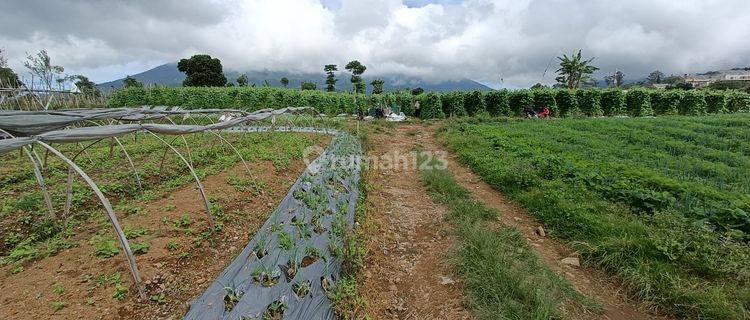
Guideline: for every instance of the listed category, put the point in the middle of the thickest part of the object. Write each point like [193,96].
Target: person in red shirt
[544,113]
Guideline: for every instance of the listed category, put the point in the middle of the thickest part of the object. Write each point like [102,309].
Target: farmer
[544,113]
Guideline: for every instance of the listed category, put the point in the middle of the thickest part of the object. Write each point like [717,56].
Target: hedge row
[561,102]
[246,98]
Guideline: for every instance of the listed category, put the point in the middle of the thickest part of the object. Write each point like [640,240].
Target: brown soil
[177,276]
[407,251]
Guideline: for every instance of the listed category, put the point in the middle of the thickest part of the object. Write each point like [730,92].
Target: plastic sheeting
[44,122]
[24,123]
[291,264]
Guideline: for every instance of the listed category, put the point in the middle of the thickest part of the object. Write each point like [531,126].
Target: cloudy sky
[484,40]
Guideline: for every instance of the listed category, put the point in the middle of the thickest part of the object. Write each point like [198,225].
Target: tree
[242,80]
[202,71]
[130,82]
[86,86]
[574,70]
[3,59]
[284,81]
[8,78]
[417,91]
[377,86]
[307,85]
[615,80]
[655,77]
[42,67]
[330,77]
[357,69]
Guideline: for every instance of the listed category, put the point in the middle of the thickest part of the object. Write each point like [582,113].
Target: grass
[662,203]
[504,277]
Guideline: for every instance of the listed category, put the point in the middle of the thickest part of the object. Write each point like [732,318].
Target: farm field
[76,269]
[661,202]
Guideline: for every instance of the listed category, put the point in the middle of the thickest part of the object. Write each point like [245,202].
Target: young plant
[266,276]
[104,246]
[260,246]
[285,240]
[232,297]
[275,311]
[172,245]
[302,289]
[140,247]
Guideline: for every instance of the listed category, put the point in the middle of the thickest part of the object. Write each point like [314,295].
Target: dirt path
[408,255]
[592,283]
[406,259]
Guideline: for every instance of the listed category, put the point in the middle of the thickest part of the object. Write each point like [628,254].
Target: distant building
[705,79]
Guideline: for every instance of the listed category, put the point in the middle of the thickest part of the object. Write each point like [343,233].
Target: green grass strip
[504,276]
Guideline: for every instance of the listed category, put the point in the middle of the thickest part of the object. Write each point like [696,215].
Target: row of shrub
[561,102]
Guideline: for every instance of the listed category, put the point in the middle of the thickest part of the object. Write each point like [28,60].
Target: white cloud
[479,39]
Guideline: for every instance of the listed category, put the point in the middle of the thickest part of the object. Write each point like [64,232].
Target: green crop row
[561,102]
[664,203]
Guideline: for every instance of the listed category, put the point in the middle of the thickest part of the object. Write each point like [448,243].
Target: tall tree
[202,71]
[615,80]
[655,77]
[574,70]
[130,82]
[86,86]
[242,80]
[3,59]
[284,81]
[417,91]
[41,66]
[330,77]
[357,69]
[377,86]
[306,85]
[8,78]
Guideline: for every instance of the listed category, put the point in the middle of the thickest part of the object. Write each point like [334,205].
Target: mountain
[168,75]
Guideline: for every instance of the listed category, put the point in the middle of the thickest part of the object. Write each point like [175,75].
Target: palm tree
[574,70]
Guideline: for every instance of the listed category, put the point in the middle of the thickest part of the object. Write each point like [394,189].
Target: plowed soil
[173,277]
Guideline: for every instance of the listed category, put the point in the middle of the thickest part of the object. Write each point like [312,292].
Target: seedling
[172,245]
[285,240]
[132,233]
[58,305]
[275,225]
[120,291]
[183,222]
[232,297]
[267,276]
[293,265]
[104,247]
[140,247]
[160,298]
[58,288]
[275,310]
[301,289]
[260,246]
